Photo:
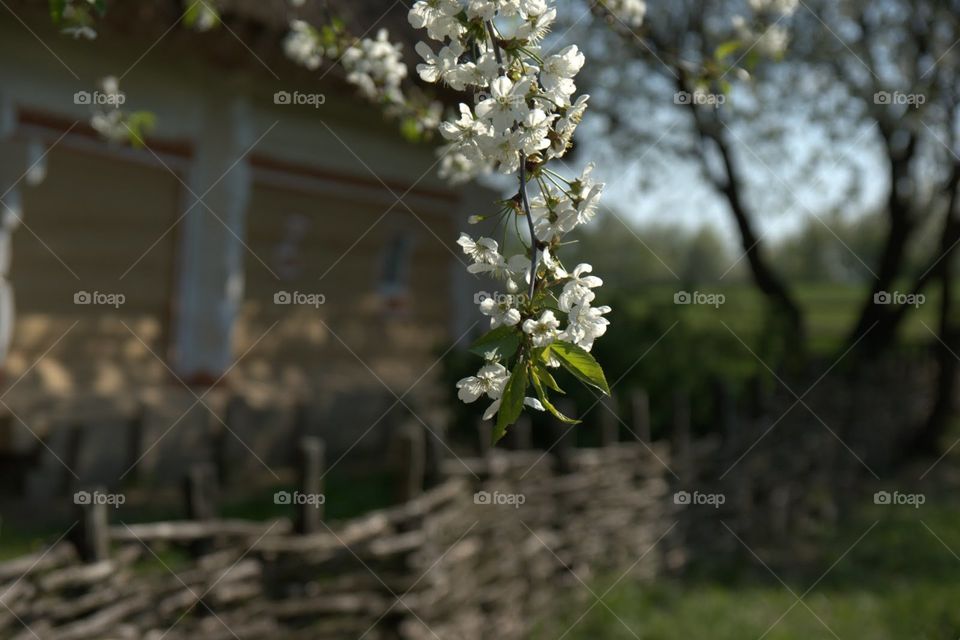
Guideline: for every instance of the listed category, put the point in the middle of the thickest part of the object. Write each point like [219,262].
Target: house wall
[294,199]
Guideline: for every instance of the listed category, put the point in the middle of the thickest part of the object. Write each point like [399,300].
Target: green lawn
[831,310]
[349,494]
[899,583]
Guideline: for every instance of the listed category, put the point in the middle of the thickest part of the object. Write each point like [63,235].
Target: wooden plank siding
[89,221]
[361,338]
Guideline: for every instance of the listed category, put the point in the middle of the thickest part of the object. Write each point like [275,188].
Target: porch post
[211,252]
[11,209]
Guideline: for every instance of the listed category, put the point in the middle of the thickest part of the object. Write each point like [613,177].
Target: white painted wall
[223,113]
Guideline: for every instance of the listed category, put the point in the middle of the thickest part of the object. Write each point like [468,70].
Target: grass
[16,542]
[900,582]
[348,494]
[831,310]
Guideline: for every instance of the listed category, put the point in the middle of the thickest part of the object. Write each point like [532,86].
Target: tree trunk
[768,282]
[877,324]
[926,440]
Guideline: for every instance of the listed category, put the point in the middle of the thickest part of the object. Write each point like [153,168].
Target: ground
[901,581]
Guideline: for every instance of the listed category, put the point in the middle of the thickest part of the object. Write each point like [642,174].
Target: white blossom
[542,331]
[442,66]
[536,128]
[536,26]
[374,65]
[566,125]
[631,12]
[489,381]
[585,324]
[782,7]
[577,290]
[554,215]
[482,250]
[557,74]
[771,41]
[438,17]
[507,103]
[302,45]
[500,311]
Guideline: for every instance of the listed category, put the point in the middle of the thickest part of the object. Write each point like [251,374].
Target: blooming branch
[525,118]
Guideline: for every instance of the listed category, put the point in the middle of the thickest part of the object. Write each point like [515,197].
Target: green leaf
[201,15]
[410,130]
[726,48]
[504,340]
[581,364]
[140,124]
[57,7]
[545,399]
[546,377]
[511,402]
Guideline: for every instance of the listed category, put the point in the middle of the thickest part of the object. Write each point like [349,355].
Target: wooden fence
[484,553]
[491,547]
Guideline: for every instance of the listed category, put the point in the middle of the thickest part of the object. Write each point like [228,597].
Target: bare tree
[877,79]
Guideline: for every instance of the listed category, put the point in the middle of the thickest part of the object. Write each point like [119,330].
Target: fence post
[681,436]
[310,470]
[233,416]
[136,432]
[408,462]
[93,533]
[609,422]
[200,492]
[75,438]
[640,407]
[563,437]
[435,451]
[726,413]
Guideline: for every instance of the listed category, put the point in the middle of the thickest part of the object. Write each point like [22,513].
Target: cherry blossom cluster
[77,18]
[374,65]
[110,120]
[765,33]
[523,114]
[522,101]
[630,12]
[521,111]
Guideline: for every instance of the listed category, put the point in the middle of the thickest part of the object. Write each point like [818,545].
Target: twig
[533,235]
[523,181]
